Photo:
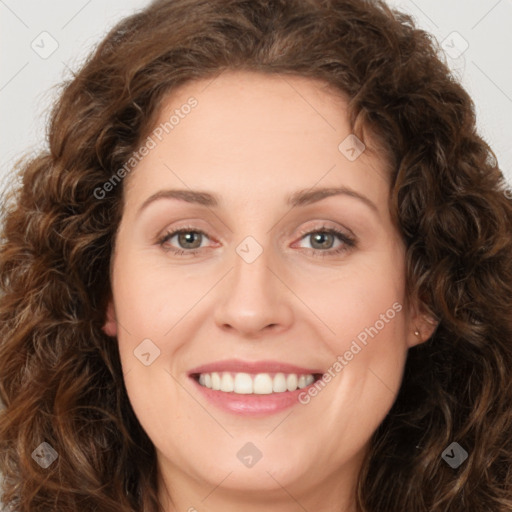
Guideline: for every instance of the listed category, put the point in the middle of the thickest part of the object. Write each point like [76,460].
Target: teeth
[279,383]
[262,384]
[291,382]
[242,384]
[258,384]
[227,383]
[215,381]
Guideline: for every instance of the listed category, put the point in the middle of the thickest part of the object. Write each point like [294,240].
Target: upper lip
[267,366]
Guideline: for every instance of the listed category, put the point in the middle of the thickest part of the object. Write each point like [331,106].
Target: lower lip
[252,404]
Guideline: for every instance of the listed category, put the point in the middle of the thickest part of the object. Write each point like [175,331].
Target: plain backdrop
[42,41]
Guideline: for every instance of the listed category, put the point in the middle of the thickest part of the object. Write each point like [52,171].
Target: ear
[421,326]
[110,325]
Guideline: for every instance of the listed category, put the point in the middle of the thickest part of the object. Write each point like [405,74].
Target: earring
[416,332]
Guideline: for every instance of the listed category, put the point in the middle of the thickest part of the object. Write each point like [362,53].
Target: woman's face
[257,278]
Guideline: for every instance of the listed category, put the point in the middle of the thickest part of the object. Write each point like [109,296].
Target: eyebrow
[297,199]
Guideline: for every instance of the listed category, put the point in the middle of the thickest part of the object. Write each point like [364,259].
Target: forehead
[248,100]
[255,128]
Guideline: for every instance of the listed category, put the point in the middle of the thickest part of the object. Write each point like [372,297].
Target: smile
[253,388]
[260,384]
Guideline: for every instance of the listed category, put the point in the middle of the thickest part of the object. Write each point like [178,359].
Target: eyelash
[348,242]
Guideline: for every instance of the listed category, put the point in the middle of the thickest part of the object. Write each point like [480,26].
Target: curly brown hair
[61,379]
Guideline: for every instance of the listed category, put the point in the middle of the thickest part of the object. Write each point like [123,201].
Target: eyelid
[326,225]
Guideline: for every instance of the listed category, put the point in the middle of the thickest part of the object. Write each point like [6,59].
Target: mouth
[253,388]
[243,383]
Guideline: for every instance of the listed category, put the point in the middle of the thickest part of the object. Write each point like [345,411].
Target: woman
[249,371]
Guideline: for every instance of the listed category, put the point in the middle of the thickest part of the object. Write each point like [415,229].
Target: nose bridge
[255,297]
[252,275]
[252,265]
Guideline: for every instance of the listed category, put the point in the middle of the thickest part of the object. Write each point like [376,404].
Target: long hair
[61,379]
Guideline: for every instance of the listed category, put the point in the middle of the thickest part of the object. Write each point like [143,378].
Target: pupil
[188,237]
[320,236]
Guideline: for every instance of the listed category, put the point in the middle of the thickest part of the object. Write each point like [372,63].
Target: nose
[255,298]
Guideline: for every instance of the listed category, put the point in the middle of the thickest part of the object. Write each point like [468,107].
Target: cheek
[368,317]
[152,299]
[148,295]
[367,294]
[368,351]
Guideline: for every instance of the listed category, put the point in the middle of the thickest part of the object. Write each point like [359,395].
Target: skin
[254,139]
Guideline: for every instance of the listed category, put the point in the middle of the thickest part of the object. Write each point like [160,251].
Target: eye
[323,239]
[189,239]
